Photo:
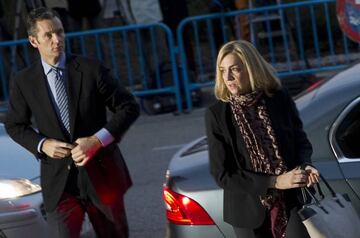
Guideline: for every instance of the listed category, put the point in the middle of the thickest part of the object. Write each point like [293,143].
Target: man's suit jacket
[230,162]
[90,90]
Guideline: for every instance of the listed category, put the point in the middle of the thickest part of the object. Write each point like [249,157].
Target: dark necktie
[62,99]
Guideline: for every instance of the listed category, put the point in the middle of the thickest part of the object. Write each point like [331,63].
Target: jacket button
[69,167]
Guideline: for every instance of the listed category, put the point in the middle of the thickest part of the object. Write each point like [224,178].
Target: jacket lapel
[238,144]
[74,77]
[44,97]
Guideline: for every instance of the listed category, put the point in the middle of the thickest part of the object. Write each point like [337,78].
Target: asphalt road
[148,147]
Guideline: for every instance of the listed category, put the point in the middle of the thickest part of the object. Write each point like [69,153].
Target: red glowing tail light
[182,210]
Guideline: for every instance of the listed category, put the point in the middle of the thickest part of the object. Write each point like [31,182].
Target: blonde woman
[256,145]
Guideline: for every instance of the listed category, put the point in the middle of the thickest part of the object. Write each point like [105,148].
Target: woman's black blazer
[230,162]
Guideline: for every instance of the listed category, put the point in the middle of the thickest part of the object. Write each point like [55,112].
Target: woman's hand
[295,178]
[313,175]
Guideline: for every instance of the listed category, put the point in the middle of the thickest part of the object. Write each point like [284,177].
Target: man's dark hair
[36,15]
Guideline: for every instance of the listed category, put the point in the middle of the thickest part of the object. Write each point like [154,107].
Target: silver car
[330,111]
[21,204]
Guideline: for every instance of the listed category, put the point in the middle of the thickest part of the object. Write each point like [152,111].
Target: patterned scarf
[254,123]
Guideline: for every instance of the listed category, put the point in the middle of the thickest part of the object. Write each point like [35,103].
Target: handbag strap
[327,185]
[306,190]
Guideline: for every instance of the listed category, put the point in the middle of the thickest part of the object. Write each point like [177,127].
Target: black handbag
[330,216]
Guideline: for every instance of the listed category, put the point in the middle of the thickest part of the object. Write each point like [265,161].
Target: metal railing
[296,38]
[141,57]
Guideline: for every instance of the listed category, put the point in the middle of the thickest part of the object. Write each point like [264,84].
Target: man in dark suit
[82,169]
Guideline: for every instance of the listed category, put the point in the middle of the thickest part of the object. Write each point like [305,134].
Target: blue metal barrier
[9,62]
[296,38]
[141,57]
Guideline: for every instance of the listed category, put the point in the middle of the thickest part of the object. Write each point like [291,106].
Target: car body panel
[349,166]
[20,216]
[24,216]
[351,172]
[193,231]
[23,164]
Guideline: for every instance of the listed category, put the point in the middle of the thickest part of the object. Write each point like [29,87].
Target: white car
[21,205]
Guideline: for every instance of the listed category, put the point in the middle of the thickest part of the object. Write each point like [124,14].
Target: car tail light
[182,210]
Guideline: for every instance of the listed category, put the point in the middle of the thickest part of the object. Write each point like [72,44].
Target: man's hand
[85,149]
[56,149]
[293,179]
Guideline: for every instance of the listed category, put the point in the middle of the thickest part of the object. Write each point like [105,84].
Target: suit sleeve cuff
[104,137]
[40,145]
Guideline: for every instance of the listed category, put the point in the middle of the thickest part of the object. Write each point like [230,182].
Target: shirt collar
[60,64]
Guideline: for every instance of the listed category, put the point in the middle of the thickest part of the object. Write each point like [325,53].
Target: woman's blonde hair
[261,74]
